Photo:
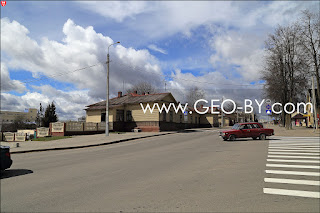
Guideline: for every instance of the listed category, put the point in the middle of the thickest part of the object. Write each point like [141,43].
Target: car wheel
[232,137]
[254,138]
[262,137]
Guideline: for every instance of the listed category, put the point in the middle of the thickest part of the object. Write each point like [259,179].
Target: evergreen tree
[50,115]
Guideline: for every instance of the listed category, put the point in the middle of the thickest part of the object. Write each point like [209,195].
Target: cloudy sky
[217,46]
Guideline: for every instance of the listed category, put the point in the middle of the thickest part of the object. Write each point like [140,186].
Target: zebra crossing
[293,167]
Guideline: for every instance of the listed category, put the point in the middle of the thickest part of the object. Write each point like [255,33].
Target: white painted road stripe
[294,161]
[294,150]
[279,172]
[300,142]
[294,141]
[286,137]
[292,181]
[293,153]
[285,156]
[293,166]
[298,193]
[294,145]
[290,147]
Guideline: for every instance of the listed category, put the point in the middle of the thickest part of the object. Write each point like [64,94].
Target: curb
[90,145]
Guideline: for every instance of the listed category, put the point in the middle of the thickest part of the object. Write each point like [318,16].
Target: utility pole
[314,105]
[107,99]
[237,116]
[221,114]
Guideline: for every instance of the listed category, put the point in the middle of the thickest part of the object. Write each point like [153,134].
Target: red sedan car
[246,130]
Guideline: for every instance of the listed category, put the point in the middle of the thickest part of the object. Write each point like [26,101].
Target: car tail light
[8,154]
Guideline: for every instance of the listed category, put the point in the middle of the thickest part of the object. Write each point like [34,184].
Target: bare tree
[194,94]
[310,42]
[285,69]
[142,87]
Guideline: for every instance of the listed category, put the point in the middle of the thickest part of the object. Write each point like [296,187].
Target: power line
[142,72]
[60,74]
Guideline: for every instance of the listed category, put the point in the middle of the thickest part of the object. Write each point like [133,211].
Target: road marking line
[298,143]
[293,153]
[297,147]
[298,193]
[285,156]
[292,181]
[292,141]
[280,172]
[290,147]
[294,161]
[294,150]
[295,144]
[293,166]
[294,147]
[291,138]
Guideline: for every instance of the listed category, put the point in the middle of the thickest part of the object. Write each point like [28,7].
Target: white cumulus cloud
[157,49]
[81,47]
[10,85]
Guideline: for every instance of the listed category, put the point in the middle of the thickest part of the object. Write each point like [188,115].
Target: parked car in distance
[252,130]
[5,158]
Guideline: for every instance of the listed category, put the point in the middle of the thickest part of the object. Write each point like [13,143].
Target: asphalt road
[184,172]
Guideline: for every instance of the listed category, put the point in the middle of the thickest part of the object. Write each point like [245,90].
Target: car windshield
[236,126]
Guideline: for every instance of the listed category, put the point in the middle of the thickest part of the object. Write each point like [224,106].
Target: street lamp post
[107,99]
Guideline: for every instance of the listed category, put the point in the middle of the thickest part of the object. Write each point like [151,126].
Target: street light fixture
[107,99]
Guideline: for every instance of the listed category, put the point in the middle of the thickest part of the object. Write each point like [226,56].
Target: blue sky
[178,42]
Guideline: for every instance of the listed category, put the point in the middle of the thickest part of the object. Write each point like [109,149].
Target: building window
[164,116]
[120,115]
[191,119]
[129,115]
[180,118]
[103,117]
[171,116]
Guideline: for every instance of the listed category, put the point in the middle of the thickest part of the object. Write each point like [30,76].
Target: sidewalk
[80,141]
[294,132]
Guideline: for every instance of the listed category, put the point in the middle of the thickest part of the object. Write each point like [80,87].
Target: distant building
[299,119]
[309,115]
[10,116]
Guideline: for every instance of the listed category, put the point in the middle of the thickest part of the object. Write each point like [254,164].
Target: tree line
[292,59]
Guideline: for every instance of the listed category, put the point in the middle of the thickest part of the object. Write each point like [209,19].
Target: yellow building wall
[139,115]
[176,116]
[93,116]
[207,119]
